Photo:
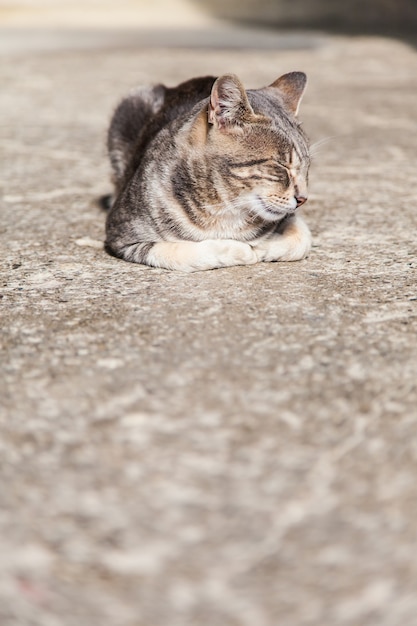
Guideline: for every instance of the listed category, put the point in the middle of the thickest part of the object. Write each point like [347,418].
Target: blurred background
[379,16]
[220,448]
[370,16]
[100,13]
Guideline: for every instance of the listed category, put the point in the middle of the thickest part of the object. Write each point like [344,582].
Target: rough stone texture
[235,447]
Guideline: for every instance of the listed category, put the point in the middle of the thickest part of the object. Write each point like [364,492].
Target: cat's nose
[300,200]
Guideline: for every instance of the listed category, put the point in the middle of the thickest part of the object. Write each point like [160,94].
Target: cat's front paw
[195,256]
[228,252]
[237,253]
[261,253]
[293,244]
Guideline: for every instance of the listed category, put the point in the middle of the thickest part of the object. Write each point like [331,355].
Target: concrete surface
[227,448]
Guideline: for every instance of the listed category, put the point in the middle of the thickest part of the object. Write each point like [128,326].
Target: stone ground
[227,448]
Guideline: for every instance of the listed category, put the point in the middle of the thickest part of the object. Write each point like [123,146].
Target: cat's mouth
[274,211]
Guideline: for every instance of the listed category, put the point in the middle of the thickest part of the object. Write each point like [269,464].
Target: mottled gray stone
[234,447]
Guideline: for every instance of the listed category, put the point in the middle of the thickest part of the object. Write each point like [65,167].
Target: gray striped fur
[207,174]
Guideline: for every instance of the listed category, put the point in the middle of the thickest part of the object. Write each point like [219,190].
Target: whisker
[317,145]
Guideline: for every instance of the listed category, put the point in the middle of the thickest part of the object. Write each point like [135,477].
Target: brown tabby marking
[209,175]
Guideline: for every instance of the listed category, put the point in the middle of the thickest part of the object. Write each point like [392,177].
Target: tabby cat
[209,175]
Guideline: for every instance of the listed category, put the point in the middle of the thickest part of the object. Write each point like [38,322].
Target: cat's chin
[271,212]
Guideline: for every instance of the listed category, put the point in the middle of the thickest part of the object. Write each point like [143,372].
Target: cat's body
[208,175]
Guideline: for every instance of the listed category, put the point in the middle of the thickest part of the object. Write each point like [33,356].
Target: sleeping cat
[209,175]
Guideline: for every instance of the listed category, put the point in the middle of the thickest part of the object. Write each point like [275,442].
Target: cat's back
[177,103]
[183,98]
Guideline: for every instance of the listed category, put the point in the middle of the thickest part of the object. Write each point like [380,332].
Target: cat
[209,175]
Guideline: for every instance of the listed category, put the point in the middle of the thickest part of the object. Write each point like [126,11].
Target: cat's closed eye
[209,162]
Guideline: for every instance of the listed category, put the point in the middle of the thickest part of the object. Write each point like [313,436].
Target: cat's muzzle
[271,211]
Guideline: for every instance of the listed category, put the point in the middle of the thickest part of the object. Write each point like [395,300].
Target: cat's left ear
[229,106]
[292,87]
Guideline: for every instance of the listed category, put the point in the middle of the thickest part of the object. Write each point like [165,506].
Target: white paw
[293,244]
[230,252]
[194,256]
[226,253]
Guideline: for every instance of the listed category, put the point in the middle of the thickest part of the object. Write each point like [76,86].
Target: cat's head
[259,146]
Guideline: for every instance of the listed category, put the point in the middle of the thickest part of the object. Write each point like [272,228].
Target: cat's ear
[292,87]
[229,106]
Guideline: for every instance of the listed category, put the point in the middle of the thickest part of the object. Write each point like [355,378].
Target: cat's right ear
[229,106]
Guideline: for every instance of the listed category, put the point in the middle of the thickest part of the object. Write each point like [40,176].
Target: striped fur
[209,175]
